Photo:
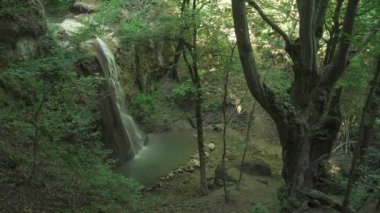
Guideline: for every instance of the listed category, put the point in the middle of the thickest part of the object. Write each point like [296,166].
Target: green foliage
[279,81]
[183,94]
[53,138]
[145,106]
[259,208]
[282,199]
[110,11]
[10,7]
[137,23]
[355,81]
[137,29]
[366,185]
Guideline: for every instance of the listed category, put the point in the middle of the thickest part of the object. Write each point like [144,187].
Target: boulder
[70,27]
[82,7]
[211,147]
[257,167]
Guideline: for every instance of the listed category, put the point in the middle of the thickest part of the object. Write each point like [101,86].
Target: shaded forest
[190,106]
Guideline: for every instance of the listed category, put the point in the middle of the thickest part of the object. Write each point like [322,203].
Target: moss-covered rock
[22,27]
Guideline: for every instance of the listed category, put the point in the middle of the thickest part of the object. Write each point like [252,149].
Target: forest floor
[182,194]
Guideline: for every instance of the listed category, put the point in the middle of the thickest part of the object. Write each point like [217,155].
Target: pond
[162,154]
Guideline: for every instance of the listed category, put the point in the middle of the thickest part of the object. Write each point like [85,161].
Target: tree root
[325,199]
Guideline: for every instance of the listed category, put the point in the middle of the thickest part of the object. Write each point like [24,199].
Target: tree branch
[320,20]
[340,61]
[334,33]
[308,49]
[274,26]
[246,53]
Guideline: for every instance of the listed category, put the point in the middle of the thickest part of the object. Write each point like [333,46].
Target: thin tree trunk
[225,122]
[224,135]
[198,107]
[36,131]
[247,137]
[366,126]
[180,46]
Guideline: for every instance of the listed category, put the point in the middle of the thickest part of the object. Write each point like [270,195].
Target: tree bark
[224,135]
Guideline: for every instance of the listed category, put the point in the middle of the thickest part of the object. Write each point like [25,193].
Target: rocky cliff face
[144,64]
[23,28]
[115,136]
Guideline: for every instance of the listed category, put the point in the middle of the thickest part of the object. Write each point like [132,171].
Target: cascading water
[163,152]
[108,64]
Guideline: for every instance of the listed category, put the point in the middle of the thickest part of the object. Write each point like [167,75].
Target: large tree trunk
[309,123]
[306,141]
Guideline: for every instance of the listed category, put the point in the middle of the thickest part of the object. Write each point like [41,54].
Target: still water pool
[158,157]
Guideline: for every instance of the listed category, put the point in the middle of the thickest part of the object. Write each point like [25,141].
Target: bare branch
[274,26]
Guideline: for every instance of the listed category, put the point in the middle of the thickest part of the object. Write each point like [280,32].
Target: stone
[171,175]
[82,7]
[195,163]
[70,27]
[257,167]
[211,147]
[189,169]
[207,154]
[195,156]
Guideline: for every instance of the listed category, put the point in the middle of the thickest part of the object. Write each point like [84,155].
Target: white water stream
[136,136]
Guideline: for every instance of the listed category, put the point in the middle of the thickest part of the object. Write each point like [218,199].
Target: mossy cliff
[23,28]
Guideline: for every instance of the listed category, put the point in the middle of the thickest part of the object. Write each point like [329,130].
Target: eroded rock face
[23,29]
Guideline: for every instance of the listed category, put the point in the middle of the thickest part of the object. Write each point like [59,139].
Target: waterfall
[111,72]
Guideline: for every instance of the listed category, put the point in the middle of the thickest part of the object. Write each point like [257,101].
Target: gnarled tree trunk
[309,123]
